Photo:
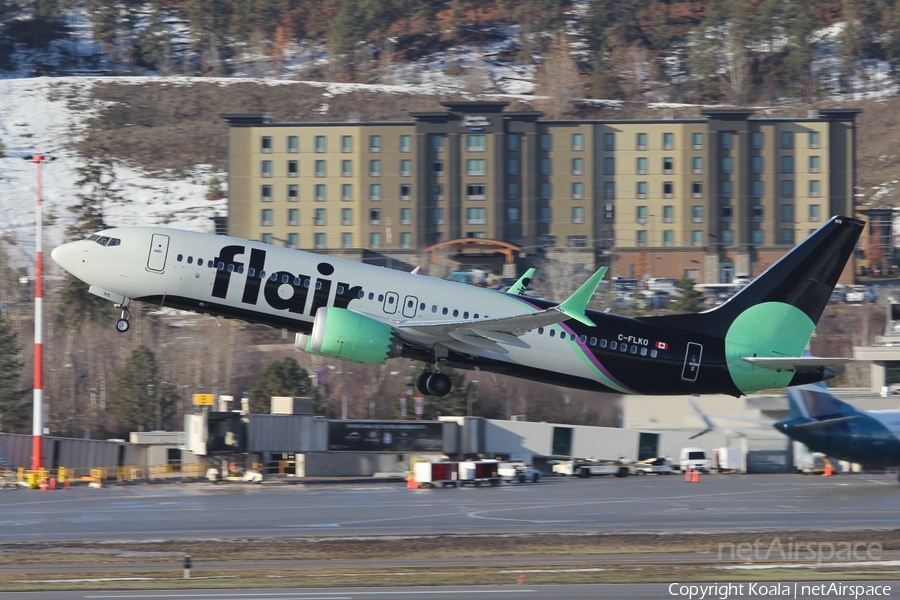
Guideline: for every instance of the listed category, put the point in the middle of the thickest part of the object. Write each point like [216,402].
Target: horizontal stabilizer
[824,423]
[787,363]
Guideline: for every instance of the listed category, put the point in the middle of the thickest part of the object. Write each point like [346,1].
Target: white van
[694,458]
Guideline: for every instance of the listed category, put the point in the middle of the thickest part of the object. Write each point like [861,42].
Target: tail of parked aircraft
[814,402]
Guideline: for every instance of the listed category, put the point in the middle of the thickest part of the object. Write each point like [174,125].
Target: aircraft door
[159,248]
[391,300]
[692,362]
[409,306]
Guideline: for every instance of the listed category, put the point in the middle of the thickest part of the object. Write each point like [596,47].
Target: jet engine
[346,335]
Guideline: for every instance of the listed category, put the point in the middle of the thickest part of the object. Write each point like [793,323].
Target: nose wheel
[122,325]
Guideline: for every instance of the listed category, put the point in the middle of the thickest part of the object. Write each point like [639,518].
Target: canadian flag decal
[662,345]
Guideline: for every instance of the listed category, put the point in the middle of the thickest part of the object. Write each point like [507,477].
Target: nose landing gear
[122,325]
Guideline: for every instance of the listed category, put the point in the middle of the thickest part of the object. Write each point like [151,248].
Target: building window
[512,191]
[787,213]
[641,189]
[757,212]
[758,189]
[577,190]
[293,144]
[668,165]
[727,213]
[267,168]
[512,142]
[787,140]
[641,238]
[375,168]
[642,141]
[576,241]
[546,142]
[405,167]
[346,168]
[320,144]
[346,192]
[475,216]
[727,140]
[668,141]
[375,192]
[609,142]
[475,166]
[346,144]
[577,142]
[668,189]
[758,237]
[320,240]
[512,214]
[437,143]
[475,191]
[757,164]
[609,166]
[346,216]
[405,239]
[475,143]
[577,166]
[292,193]
[320,192]
[641,214]
[696,237]
[266,217]
[814,188]
[787,188]
[546,167]
[757,140]
[437,168]
[320,168]
[293,216]
[473,234]
[405,143]
[577,214]
[787,236]
[546,241]
[545,190]
[787,164]
[727,237]
[266,238]
[668,214]
[727,164]
[512,166]
[405,216]
[668,237]
[697,165]
[814,212]
[266,145]
[609,190]
[293,240]
[292,168]
[438,216]
[375,240]
[813,139]
[437,191]
[374,143]
[265,193]
[696,214]
[813,164]
[546,215]
[346,240]
[696,141]
[727,189]
[641,166]
[374,216]
[405,191]
[696,189]
[320,216]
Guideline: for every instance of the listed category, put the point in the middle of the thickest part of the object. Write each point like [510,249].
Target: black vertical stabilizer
[804,277]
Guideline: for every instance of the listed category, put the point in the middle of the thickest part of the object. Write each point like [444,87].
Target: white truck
[659,465]
[857,294]
[518,472]
[694,458]
[590,468]
[729,460]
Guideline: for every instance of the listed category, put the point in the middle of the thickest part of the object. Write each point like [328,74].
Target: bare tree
[558,81]
[736,64]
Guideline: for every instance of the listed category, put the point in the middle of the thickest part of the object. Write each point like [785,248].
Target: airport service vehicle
[479,471]
[362,313]
[436,474]
[520,472]
[590,468]
[858,294]
[729,460]
[828,425]
[659,465]
[694,458]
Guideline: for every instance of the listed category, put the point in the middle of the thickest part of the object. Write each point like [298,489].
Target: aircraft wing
[782,363]
[492,332]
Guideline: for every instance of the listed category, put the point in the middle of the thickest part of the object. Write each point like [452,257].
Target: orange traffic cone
[411,484]
[53,483]
[829,470]
[687,475]
[695,476]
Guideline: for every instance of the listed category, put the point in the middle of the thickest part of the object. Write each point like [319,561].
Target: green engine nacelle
[302,341]
[344,334]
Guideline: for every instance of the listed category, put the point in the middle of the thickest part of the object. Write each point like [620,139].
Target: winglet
[519,287]
[574,306]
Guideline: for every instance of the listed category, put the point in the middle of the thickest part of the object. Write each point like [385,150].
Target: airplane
[840,430]
[362,313]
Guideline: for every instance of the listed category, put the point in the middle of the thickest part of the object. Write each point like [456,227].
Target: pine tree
[689,300]
[138,396]
[13,405]
[279,378]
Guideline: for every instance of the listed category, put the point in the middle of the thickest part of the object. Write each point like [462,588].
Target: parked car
[518,472]
[659,465]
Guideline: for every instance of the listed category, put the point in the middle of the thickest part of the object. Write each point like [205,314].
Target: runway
[634,504]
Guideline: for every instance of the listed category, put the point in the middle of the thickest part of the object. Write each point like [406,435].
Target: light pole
[37,431]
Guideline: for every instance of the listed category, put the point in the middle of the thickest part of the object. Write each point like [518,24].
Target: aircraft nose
[66,255]
[780,426]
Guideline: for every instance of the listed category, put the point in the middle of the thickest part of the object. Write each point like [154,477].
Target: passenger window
[190,260]
[634,349]
[584,339]
[306,283]
[409,304]
[466,315]
[593,341]
[624,347]
[340,289]
[179,257]
[381,297]
[422,306]
[220,266]
[552,333]
[273,277]
[319,287]
[603,344]
[297,284]
[250,273]
[540,331]
[209,264]
[241,270]
[371,296]
[285,278]
[434,308]
[613,345]
[455,312]
[199,262]
[562,335]
[361,294]
[231,268]
[653,354]
[644,351]
[262,274]
[444,312]
[476,315]
[390,298]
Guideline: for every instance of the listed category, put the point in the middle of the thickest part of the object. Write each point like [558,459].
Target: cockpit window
[114,242]
[104,240]
[93,238]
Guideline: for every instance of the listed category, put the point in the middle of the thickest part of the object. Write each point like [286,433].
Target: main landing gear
[433,383]
[122,325]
